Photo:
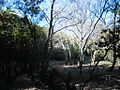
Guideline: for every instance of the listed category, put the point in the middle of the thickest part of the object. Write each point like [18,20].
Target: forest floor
[101,79]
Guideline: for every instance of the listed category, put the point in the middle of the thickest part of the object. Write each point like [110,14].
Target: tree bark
[49,38]
[114,42]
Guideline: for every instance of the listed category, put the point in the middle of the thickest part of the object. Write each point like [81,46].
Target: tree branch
[66,27]
[95,24]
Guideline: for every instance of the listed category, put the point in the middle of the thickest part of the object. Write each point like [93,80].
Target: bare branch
[74,33]
[46,16]
[59,19]
[66,27]
[101,19]
[56,14]
[95,24]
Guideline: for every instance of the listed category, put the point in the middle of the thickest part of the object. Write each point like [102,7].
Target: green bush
[21,47]
[58,54]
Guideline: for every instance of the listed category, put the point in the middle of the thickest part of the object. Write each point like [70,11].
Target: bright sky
[75,8]
[71,9]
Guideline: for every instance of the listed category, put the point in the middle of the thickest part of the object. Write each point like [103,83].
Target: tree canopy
[18,46]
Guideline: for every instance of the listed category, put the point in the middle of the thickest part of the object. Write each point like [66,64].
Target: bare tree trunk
[91,62]
[50,33]
[114,41]
[114,58]
[88,37]
[81,62]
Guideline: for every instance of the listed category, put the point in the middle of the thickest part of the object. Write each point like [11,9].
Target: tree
[89,23]
[17,54]
[33,12]
[55,19]
[115,35]
[28,8]
[111,35]
[62,40]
